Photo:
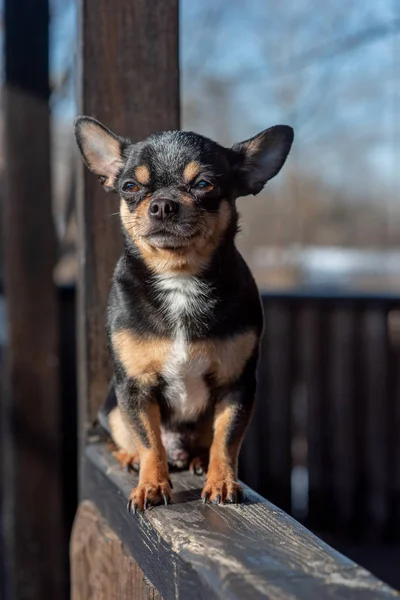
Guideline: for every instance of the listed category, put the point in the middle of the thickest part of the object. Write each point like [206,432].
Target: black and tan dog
[184,318]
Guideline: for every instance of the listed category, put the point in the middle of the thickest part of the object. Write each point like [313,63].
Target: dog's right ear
[101,150]
[261,157]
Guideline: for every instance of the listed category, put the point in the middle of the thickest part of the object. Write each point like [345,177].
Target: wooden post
[130,81]
[34,536]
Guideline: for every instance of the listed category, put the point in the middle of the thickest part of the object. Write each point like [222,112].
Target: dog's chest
[186,303]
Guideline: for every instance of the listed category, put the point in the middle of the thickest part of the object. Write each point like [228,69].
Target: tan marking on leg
[142,174]
[221,484]
[143,359]
[191,170]
[154,487]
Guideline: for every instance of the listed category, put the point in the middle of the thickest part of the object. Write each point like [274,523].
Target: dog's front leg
[154,485]
[232,416]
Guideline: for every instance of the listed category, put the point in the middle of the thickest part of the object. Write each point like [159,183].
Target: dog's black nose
[162,209]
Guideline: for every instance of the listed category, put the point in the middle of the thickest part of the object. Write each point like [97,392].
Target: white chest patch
[185,299]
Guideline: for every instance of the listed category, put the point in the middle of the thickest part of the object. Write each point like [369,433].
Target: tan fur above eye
[191,170]
[142,174]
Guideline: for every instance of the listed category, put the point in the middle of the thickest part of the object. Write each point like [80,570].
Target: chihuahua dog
[184,319]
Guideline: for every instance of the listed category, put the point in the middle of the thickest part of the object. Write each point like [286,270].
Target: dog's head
[178,189]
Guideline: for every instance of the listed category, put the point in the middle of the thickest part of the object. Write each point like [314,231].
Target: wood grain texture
[189,550]
[101,566]
[129,80]
[35,540]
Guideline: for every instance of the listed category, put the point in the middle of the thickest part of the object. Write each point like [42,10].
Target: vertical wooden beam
[34,533]
[130,81]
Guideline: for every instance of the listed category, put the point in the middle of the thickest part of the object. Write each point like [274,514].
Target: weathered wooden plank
[135,91]
[191,550]
[101,566]
[34,537]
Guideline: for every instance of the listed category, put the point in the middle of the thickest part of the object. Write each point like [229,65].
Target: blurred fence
[328,402]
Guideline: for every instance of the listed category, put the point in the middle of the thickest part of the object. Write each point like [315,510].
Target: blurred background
[323,240]
[331,73]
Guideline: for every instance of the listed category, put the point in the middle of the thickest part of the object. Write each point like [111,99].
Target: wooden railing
[194,551]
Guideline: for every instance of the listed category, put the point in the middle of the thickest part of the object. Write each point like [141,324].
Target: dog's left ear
[261,157]
[101,150]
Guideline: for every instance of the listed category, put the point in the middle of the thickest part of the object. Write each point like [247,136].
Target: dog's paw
[149,493]
[199,465]
[130,462]
[221,491]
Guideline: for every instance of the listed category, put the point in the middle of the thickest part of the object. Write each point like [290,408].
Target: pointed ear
[101,150]
[261,157]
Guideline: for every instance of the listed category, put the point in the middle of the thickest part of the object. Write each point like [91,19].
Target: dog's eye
[130,186]
[204,186]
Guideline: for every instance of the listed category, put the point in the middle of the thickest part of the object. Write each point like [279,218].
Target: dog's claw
[146,504]
[205,498]
[218,499]
[165,498]
[132,507]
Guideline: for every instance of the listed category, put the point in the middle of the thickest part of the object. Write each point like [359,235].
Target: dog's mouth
[171,237]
